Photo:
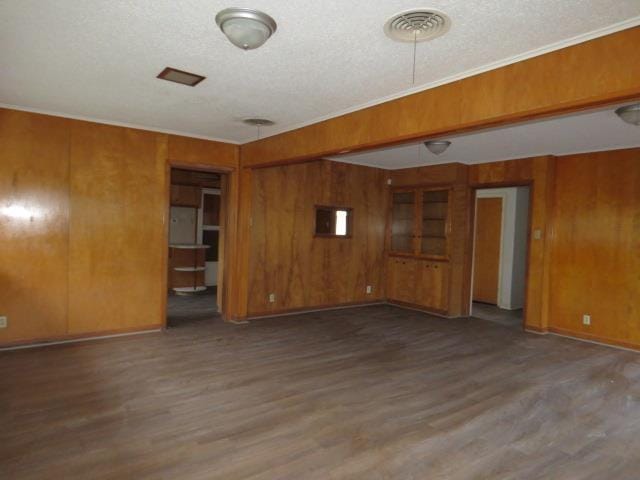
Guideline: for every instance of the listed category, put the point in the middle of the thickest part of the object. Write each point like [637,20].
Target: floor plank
[507,318]
[368,393]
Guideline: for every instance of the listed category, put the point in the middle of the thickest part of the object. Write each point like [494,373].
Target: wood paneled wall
[595,257]
[603,70]
[117,225]
[197,153]
[308,272]
[83,231]
[83,224]
[586,261]
[34,223]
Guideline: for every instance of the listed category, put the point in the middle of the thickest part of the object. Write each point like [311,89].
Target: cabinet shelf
[189,290]
[186,268]
[189,269]
[420,222]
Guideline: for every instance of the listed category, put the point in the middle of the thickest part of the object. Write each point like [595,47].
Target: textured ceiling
[98,59]
[587,132]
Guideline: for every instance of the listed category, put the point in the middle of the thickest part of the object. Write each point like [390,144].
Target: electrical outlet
[272,298]
[586,319]
[537,234]
[3,322]
[369,289]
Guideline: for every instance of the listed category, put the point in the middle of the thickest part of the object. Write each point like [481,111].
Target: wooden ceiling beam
[597,72]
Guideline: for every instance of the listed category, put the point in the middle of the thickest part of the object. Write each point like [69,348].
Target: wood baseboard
[613,342]
[419,308]
[319,308]
[80,337]
[535,329]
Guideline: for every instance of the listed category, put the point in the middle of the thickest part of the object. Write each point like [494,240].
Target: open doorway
[500,236]
[195,247]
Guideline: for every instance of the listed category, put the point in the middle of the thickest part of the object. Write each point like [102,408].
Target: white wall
[182,227]
[211,268]
[513,249]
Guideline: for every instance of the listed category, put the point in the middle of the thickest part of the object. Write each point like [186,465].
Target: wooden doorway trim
[468,281]
[227,221]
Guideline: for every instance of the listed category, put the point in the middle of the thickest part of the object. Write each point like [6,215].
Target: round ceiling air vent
[258,122]
[417,25]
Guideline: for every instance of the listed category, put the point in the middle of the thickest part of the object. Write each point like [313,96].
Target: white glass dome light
[437,146]
[246,28]
[630,114]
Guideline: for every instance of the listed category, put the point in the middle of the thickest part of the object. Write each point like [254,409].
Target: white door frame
[201,226]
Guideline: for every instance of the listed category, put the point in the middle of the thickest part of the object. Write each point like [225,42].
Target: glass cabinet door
[403,214]
[434,222]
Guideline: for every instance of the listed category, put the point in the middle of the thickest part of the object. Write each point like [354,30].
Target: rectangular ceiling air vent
[179,76]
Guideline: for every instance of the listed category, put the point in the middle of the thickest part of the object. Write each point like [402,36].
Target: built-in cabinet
[418,256]
[420,222]
[185,196]
[419,282]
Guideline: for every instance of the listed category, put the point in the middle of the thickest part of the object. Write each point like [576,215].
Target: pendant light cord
[415,45]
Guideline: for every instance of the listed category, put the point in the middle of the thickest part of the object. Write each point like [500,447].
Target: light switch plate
[3,322]
[537,234]
[369,289]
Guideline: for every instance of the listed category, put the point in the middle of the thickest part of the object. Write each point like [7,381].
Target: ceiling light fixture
[258,122]
[437,146]
[246,28]
[630,114]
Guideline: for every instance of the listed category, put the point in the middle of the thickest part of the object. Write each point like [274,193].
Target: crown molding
[116,124]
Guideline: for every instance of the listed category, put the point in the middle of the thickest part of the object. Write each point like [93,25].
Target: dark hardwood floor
[507,318]
[182,309]
[368,393]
